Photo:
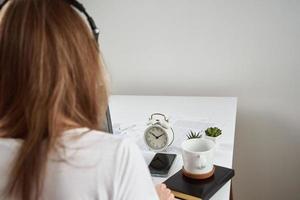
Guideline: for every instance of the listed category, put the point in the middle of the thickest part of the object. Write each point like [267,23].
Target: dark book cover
[191,189]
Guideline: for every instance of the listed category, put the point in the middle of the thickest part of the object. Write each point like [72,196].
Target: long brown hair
[50,70]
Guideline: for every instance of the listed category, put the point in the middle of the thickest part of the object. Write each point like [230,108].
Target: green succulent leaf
[194,134]
[213,131]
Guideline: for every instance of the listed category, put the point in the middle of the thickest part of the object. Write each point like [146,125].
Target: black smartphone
[161,164]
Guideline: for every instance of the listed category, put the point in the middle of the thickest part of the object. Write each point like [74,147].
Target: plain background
[248,49]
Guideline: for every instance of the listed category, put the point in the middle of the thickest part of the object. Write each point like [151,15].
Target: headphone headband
[81,9]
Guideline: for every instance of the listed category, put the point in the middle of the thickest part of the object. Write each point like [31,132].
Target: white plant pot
[214,139]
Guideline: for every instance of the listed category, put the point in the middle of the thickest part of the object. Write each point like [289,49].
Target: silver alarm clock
[159,134]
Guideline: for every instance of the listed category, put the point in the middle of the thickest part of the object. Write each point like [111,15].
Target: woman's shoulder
[96,143]
[90,138]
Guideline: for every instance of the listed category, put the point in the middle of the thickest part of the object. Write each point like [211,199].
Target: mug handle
[202,162]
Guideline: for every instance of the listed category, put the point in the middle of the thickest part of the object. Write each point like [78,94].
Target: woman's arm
[132,180]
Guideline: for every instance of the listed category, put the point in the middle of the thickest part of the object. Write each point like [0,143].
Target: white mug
[198,155]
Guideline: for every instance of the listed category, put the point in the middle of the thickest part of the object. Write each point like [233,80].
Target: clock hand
[154,135]
[160,135]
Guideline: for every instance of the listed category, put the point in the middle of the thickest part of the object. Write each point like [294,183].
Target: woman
[53,96]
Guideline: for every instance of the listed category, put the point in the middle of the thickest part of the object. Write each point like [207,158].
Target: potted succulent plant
[194,134]
[213,133]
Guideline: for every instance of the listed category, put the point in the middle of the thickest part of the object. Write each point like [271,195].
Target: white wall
[249,49]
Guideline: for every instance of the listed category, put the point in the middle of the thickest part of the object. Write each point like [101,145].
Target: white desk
[134,111]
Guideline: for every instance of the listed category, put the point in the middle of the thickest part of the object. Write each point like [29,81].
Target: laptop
[107,124]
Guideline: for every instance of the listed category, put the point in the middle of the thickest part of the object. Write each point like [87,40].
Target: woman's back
[51,79]
[88,165]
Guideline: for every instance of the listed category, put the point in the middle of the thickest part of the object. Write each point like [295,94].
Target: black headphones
[81,9]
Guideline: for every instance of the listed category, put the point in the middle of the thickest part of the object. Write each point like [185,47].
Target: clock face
[156,137]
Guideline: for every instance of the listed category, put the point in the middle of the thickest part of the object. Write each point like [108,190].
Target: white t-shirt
[92,166]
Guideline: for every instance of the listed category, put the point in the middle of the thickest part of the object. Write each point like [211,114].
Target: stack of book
[191,189]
